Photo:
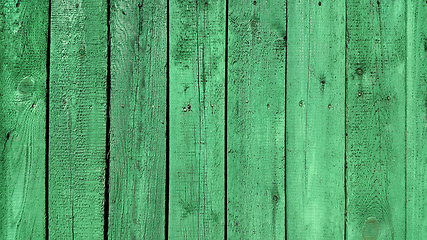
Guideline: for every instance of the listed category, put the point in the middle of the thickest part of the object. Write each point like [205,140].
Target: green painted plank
[256,120]
[375,98]
[416,120]
[315,120]
[77,119]
[23,54]
[138,120]
[197,92]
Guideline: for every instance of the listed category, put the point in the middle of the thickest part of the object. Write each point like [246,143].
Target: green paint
[77,120]
[416,116]
[376,119]
[197,80]
[23,35]
[256,120]
[315,131]
[332,83]
[138,120]
[370,229]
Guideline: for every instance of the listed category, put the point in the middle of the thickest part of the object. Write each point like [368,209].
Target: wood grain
[197,86]
[23,54]
[138,120]
[416,117]
[77,119]
[315,124]
[256,119]
[376,64]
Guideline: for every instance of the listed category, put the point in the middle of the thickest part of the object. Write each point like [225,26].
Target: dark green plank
[375,99]
[416,120]
[197,80]
[256,119]
[23,43]
[315,131]
[138,120]
[77,120]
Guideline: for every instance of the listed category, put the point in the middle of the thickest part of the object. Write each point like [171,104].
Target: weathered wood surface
[77,119]
[416,120]
[256,119]
[23,56]
[375,119]
[138,120]
[272,118]
[197,88]
[315,131]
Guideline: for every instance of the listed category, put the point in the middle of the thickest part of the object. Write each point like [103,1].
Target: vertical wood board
[77,119]
[315,124]
[256,119]
[23,56]
[375,119]
[138,120]
[416,120]
[197,86]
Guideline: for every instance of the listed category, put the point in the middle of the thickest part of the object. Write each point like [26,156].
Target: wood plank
[256,119]
[77,120]
[23,55]
[375,97]
[197,88]
[138,120]
[315,120]
[416,120]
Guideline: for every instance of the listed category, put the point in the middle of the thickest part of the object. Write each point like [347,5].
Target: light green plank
[416,120]
[77,119]
[256,119]
[138,120]
[23,43]
[375,100]
[197,80]
[315,123]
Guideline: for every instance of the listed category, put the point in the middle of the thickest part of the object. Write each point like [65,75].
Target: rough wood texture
[344,82]
[77,120]
[23,43]
[256,119]
[375,100]
[416,207]
[197,80]
[138,120]
[315,131]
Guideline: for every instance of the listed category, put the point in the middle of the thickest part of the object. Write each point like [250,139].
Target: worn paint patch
[371,229]
[26,85]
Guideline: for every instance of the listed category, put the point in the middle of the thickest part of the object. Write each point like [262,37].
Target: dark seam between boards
[47,122]
[167,126]
[107,147]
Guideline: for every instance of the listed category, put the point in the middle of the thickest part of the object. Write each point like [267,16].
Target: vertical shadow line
[286,110]
[47,122]
[167,125]
[406,117]
[345,123]
[225,120]
[107,147]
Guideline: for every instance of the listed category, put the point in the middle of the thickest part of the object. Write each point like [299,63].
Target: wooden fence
[191,119]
